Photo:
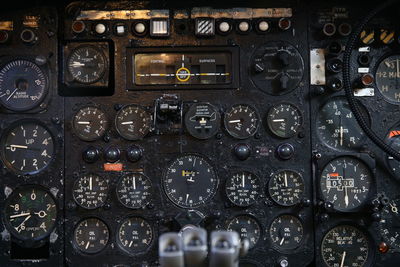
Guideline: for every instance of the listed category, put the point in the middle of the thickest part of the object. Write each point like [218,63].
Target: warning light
[394,133]
[383,247]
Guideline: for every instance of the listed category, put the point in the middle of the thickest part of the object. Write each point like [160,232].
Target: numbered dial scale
[241,121]
[30,213]
[91,235]
[286,232]
[135,235]
[87,64]
[133,122]
[90,123]
[23,85]
[202,120]
[389,224]
[387,78]
[345,246]
[284,120]
[243,188]
[190,181]
[345,182]
[90,191]
[247,227]
[27,148]
[134,190]
[286,187]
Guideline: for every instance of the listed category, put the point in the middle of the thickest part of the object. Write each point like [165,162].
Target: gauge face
[345,182]
[90,123]
[91,235]
[30,213]
[390,224]
[87,64]
[134,190]
[241,121]
[247,227]
[337,127]
[243,188]
[202,120]
[23,85]
[190,181]
[286,232]
[133,122]
[135,235]
[387,77]
[90,191]
[345,246]
[284,120]
[286,187]
[27,148]
[277,68]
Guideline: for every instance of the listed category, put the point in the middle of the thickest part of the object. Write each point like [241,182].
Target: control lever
[195,247]
[226,249]
[170,249]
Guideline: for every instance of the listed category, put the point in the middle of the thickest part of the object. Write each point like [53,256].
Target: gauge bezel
[254,218]
[259,190]
[76,182]
[151,190]
[117,125]
[79,135]
[299,127]
[230,109]
[274,173]
[287,250]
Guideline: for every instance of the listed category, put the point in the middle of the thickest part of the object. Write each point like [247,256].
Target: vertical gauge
[190,181]
[389,224]
[345,182]
[23,85]
[134,190]
[133,122]
[87,64]
[90,191]
[247,227]
[286,187]
[345,246]
[135,235]
[243,188]
[387,78]
[202,120]
[91,235]
[30,213]
[90,123]
[27,148]
[241,121]
[286,232]
[284,120]
[337,127]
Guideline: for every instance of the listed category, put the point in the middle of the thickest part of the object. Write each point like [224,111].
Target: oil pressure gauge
[91,235]
[286,232]
[135,235]
[247,227]
[241,121]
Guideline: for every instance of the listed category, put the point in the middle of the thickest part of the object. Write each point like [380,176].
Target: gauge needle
[286,180]
[83,122]
[27,218]
[19,215]
[134,183]
[341,135]
[77,64]
[283,239]
[87,245]
[397,68]
[234,121]
[8,98]
[243,180]
[90,184]
[18,146]
[343,257]
[41,214]
[187,197]
[394,208]
[127,122]
[278,120]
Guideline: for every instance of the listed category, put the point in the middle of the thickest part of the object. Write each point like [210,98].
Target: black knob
[284,81]
[134,153]
[112,154]
[28,36]
[242,151]
[334,65]
[259,67]
[91,154]
[335,84]
[283,58]
[285,151]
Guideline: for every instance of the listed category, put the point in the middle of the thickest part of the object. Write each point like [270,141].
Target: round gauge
[133,122]
[394,165]
[345,182]
[243,188]
[90,191]
[284,120]
[337,127]
[241,121]
[135,235]
[190,181]
[390,224]
[30,213]
[345,246]
[202,120]
[286,187]
[277,68]
[27,148]
[90,123]
[91,235]
[247,227]
[134,190]
[23,85]
[87,64]
[286,232]
[387,77]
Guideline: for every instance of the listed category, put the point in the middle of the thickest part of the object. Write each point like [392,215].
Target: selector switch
[134,153]
[91,155]
[112,154]
[204,27]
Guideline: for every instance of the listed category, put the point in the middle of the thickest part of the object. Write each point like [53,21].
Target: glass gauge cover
[91,235]
[247,227]
[135,235]
[30,213]
[243,188]
[389,224]
[134,190]
[241,121]
[27,148]
[23,85]
[133,122]
[190,181]
[284,120]
[202,120]
[387,78]
[286,232]
[90,191]
[286,187]
[90,123]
